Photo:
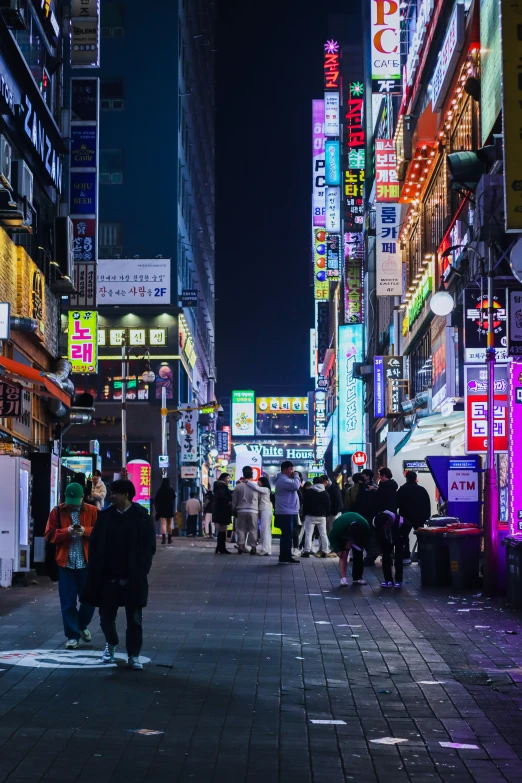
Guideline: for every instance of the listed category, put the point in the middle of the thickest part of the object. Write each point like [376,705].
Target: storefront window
[38,59]
[414,252]
[282,424]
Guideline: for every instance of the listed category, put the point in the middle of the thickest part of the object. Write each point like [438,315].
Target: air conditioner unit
[64,245]
[5,162]
[23,180]
[14,13]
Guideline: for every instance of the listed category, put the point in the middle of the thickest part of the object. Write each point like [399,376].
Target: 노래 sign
[82,340]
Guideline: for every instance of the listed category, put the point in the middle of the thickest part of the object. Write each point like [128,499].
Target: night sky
[269,70]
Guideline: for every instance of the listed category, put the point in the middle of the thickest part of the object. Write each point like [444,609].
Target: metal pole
[123,410]
[491,488]
[164,446]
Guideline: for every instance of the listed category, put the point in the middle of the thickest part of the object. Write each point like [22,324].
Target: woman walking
[265,513]
[164,505]
[222,512]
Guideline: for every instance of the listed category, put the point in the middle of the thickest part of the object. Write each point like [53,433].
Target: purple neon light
[331,47]
[515,446]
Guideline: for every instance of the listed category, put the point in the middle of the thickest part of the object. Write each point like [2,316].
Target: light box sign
[476,325]
[351,396]
[84,143]
[332,163]
[85,284]
[385,46]
[243,413]
[282,405]
[515,323]
[133,281]
[515,452]
[333,210]
[448,57]
[331,114]
[84,242]
[189,441]
[82,341]
[139,473]
[476,409]
[386,180]
[388,255]
[355,158]
[332,65]
[223,441]
[321,286]
[333,256]
[353,278]
[512,111]
[318,163]
[378,387]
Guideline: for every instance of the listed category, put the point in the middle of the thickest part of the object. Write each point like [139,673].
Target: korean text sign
[133,281]
[189,441]
[355,157]
[353,278]
[10,400]
[378,387]
[82,340]
[243,413]
[385,46]
[476,325]
[388,263]
[139,474]
[476,409]
[318,164]
[511,23]
[515,453]
[387,182]
[351,398]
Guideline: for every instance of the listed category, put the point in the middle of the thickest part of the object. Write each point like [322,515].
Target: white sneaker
[108,655]
[86,635]
[72,644]
[134,663]
[344,582]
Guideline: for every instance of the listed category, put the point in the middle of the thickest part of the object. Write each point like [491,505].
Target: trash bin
[513,546]
[433,556]
[464,556]
[436,521]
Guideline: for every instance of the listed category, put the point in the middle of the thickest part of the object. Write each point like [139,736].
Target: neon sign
[515,445]
[355,153]
[332,65]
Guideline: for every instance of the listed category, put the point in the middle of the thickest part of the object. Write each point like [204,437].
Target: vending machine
[15,479]
[45,489]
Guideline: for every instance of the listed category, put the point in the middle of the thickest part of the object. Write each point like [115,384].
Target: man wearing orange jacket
[69,527]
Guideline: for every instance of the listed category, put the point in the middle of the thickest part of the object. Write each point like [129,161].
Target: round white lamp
[442,303]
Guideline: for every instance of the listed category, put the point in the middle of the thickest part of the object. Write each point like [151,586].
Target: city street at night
[261,673]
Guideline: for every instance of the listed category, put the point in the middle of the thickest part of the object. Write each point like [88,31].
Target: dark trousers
[296,531]
[192,525]
[358,564]
[71,584]
[285,522]
[406,529]
[114,596]
[392,553]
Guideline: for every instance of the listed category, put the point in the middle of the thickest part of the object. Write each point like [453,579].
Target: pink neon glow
[515,446]
[331,47]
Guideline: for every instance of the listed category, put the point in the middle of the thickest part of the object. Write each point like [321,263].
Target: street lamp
[147,377]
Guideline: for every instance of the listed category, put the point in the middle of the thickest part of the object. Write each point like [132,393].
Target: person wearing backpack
[69,528]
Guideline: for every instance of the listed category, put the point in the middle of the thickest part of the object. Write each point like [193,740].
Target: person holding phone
[69,527]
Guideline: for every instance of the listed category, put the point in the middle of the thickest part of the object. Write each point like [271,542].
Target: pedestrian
[390,535]
[366,506]
[386,497]
[350,498]
[69,527]
[98,491]
[316,508]
[350,531]
[208,525]
[193,509]
[164,500]
[414,506]
[265,513]
[121,549]
[222,512]
[245,504]
[287,488]
[336,503]
[298,528]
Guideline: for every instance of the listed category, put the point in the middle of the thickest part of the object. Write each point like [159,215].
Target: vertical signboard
[313,353]
[333,256]
[386,180]
[351,399]
[85,34]
[243,413]
[515,323]
[332,162]
[82,341]
[476,408]
[512,111]
[353,278]
[490,67]
[189,441]
[385,46]
[139,473]
[476,325]
[332,65]
[378,387]
[321,287]
[515,453]
[323,331]
[318,163]
[388,254]
[333,210]
[354,158]
[331,114]
[448,57]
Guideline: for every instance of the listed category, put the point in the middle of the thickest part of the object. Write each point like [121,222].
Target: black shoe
[292,561]
[164,539]
[253,551]
[169,539]
[305,554]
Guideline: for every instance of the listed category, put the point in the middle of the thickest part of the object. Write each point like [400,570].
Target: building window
[111,167]
[414,252]
[436,209]
[111,94]
[110,240]
[112,20]
[421,365]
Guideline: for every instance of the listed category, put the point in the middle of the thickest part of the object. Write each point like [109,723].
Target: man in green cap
[69,527]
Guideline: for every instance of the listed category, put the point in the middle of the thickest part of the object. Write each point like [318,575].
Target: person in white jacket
[265,513]
[98,490]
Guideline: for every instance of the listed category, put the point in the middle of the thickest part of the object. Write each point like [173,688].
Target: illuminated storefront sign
[313,353]
[476,409]
[243,413]
[424,14]
[378,387]
[355,158]
[422,291]
[512,114]
[318,164]
[189,441]
[332,116]
[333,256]
[321,439]
[353,278]
[35,130]
[385,46]
[490,67]
[388,253]
[82,340]
[332,65]
[351,398]
[85,34]
[515,450]
[476,326]
[448,57]
[321,287]
[332,155]
[333,210]
[386,180]
[186,342]
[282,405]
[139,473]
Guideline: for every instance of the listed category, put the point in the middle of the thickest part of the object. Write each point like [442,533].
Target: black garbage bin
[513,546]
[464,556]
[433,556]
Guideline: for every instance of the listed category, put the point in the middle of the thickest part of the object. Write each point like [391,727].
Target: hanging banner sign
[331,114]
[333,256]
[318,164]
[332,154]
[388,255]
[353,278]
[333,210]
[385,47]
[321,287]
[189,441]
[511,23]
[476,409]
[82,341]
[476,325]
[378,387]
[355,158]
[386,180]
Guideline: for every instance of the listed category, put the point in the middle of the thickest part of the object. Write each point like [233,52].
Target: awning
[434,429]
[37,377]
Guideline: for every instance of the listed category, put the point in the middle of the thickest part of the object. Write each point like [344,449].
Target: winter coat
[414,503]
[287,494]
[336,498]
[350,498]
[141,548]
[390,535]
[245,498]
[316,501]
[222,506]
[98,494]
[386,496]
[164,502]
[349,526]
[57,530]
[366,501]
[265,503]
[209,503]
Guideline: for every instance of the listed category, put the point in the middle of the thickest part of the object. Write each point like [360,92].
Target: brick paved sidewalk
[245,655]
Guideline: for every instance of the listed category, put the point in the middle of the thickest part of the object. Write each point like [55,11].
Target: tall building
[155,294]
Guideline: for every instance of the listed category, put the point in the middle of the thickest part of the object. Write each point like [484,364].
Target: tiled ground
[245,655]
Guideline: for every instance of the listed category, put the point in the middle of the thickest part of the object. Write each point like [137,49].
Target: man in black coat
[414,506]
[336,503]
[121,549]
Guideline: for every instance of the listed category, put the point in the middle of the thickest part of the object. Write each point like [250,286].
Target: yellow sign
[82,340]
[511,21]
[282,405]
[136,336]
